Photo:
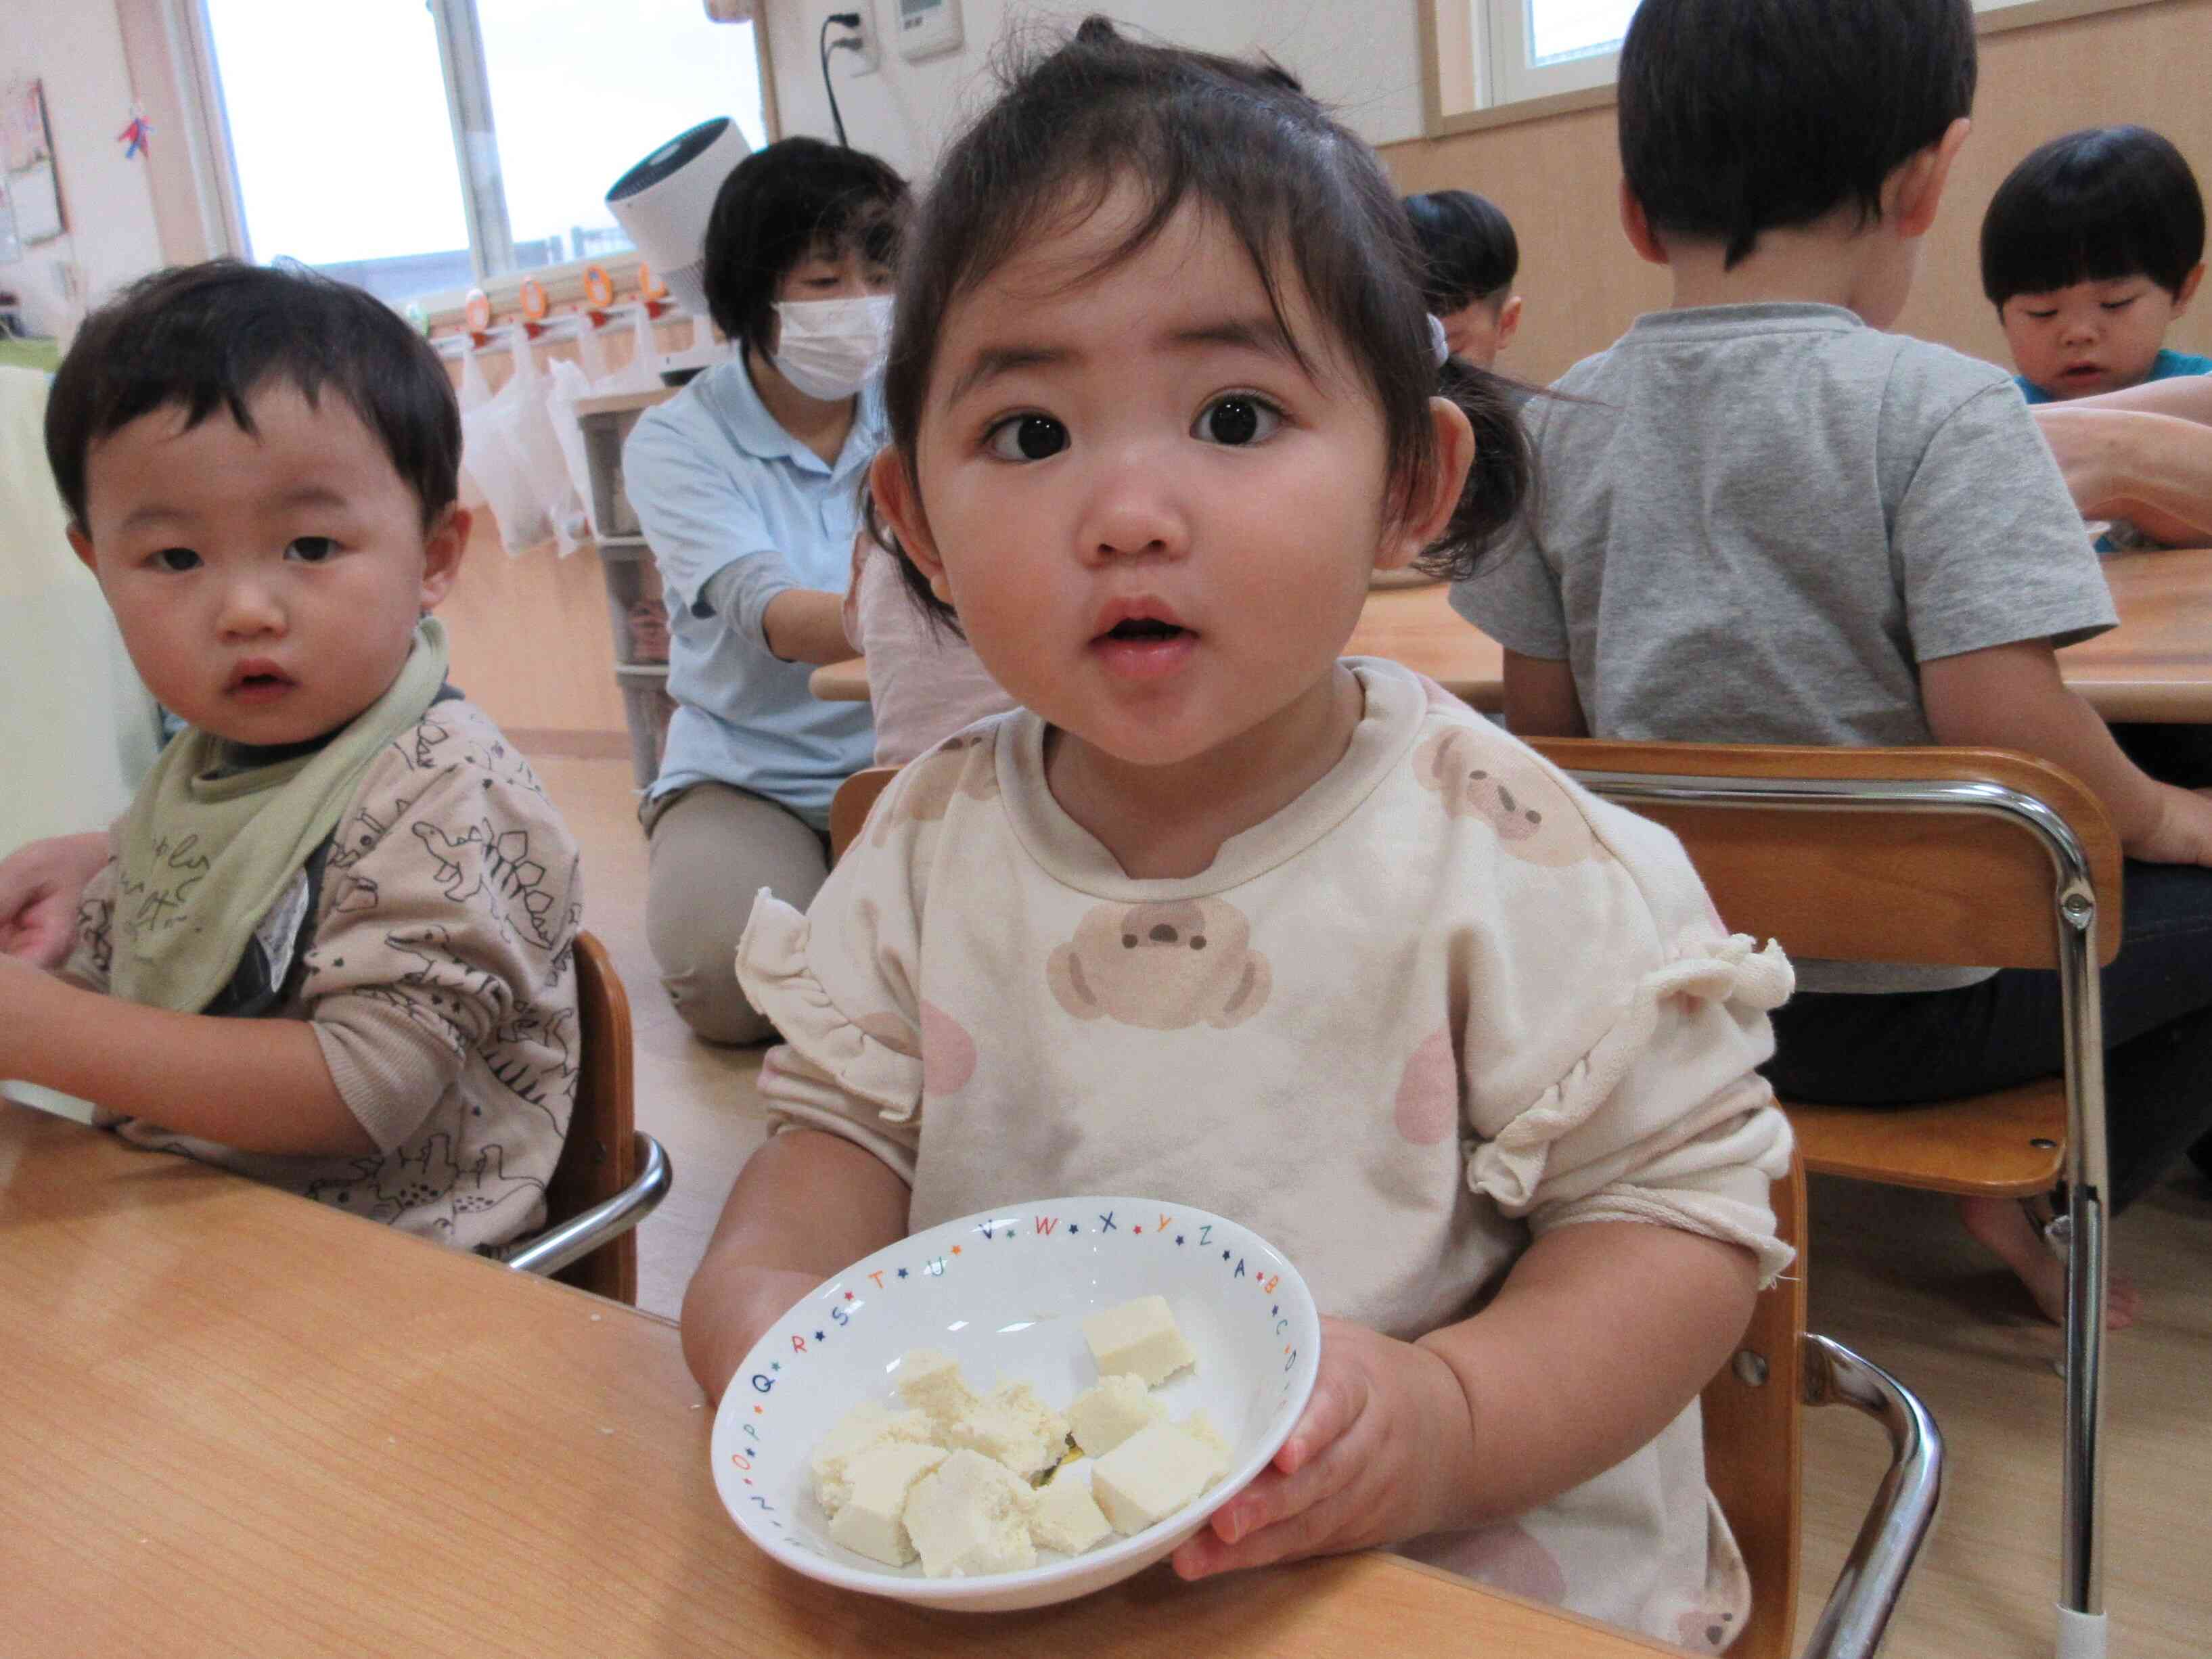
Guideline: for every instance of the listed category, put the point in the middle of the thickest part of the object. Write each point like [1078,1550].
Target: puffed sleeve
[452,893]
[843,985]
[1645,1103]
[684,480]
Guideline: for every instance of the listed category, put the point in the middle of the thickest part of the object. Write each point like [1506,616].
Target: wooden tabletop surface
[233,1421]
[2155,665]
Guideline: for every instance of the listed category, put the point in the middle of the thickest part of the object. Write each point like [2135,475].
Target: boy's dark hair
[2093,206]
[208,337]
[776,208]
[1742,116]
[1308,201]
[1468,251]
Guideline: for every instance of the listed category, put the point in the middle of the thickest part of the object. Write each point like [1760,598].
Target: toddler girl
[1218,918]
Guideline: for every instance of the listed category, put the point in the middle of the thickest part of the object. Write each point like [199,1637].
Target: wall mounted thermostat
[927,27]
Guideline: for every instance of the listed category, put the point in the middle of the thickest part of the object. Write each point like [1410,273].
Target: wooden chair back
[1753,1409]
[1861,880]
[1864,882]
[850,805]
[599,1159]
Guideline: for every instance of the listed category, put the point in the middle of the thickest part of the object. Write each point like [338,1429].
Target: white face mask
[828,347]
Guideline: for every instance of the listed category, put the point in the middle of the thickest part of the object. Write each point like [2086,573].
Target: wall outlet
[866,51]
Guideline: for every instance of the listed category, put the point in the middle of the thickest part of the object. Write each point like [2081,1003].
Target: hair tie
[1438,344]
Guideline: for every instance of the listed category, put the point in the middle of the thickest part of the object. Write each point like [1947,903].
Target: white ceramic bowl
[1005,1293]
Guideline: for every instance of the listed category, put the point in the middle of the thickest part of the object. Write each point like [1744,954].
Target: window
[417,147]
[1541,46]
[1491,53]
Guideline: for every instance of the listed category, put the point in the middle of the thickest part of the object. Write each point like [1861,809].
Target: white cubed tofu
[1012,1426]
[1102,1418]
[931,1382]
[1066,1516]
[1153,1473]
[969,1516]
[862,1428]
[870,1522]
[1200,1427]
[1139,1337]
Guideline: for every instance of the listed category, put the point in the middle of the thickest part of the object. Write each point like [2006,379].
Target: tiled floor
[1891,1275]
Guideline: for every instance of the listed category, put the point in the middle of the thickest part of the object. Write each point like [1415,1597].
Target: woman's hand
[2154,469]
[1384,1447]
[40,886]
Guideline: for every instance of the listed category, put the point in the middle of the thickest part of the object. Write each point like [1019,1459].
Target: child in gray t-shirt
[1765,520]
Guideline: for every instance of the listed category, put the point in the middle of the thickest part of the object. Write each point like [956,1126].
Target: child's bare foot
[2003,1225]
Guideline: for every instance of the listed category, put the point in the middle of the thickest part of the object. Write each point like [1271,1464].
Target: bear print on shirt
[1531,813]
[1166,966]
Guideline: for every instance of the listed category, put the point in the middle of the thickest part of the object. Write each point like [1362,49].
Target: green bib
[202,857]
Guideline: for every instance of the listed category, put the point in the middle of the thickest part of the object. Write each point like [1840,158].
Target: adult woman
[747,487]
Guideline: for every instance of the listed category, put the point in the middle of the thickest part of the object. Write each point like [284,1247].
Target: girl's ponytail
[1500,482]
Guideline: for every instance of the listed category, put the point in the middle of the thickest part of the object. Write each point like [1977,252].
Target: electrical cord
[844,19]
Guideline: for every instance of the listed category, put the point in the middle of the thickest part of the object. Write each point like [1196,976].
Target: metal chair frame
[2082,1622]
[602,1144]
[569,1241]
[1856,1614]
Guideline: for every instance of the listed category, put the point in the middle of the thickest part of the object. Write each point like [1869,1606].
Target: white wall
[75,48]
[1362,57]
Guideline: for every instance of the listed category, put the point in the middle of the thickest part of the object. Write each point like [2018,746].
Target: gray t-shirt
[1756,521]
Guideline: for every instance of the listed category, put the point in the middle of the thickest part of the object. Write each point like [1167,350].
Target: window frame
[1463,43]
[471,130]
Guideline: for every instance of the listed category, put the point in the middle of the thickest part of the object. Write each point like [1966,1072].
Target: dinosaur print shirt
[1443,1002]
[431,949]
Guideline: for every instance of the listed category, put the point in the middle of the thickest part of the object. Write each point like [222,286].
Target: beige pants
[712,848]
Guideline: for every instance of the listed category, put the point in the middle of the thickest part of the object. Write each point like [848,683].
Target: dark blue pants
[1908,1047]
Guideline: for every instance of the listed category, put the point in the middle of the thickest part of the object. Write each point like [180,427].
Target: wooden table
[2155,665]
[233,1422]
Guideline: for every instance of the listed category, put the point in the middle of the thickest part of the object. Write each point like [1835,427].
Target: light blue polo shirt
[719,485]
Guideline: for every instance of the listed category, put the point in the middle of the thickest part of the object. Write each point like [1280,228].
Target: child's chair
[1752,1413]
[849,806]
[1960,856]
[611,1175]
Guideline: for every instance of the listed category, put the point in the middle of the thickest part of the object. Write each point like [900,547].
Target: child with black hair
[1221,918]
[2091,248]
[1469,258]
[331,948]
[1767,521]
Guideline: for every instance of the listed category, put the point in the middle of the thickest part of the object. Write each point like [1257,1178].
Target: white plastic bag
[511,445]
[590,376]
[474,392]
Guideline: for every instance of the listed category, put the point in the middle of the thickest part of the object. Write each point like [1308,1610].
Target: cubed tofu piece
[969,1516]
[931,1382]
[1200,1427]
[1102,1418]
[872,1522]
[1153,1473]
[1139,1337]
[1012,1426]
[1066,1517]
[862,1428]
